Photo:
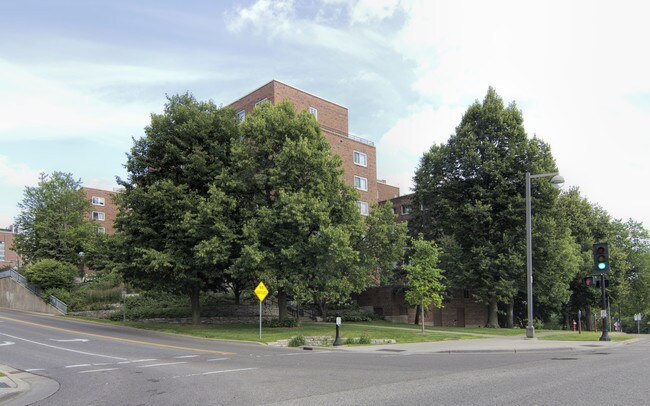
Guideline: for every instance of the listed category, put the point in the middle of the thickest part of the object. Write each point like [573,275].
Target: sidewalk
[19,388]
[490,345]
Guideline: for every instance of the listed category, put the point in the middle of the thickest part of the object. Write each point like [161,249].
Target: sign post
[261,291]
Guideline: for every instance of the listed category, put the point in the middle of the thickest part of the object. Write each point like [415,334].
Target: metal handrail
[53,300]
[343,134]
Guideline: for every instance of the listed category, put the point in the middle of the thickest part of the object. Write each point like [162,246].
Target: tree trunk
[493,319]
[282,304]
[422,317]
[196,305]
[589,318]
[511,313]
[418,311]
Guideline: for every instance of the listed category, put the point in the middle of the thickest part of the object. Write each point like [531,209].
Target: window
[361,183]
[314,112]
[241,116]
[98,201]
[406,209]
[363,207]
[101,230]
[261,101]
[360,158]
[98,215]
[2,250]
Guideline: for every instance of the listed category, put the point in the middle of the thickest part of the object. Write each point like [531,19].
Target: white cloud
[373,10]
[17,174]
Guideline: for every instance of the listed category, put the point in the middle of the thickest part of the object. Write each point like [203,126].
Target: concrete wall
[15,296]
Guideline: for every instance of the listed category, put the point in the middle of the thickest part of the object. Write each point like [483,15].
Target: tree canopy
[469,195]
[52,223]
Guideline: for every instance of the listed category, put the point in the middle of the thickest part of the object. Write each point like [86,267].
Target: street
[100,364]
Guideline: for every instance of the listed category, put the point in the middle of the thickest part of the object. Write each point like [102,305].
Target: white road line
[228,370]
[98,370]
[163,364]
[99,364]
[35,369]
[144,360]
[213,372]
[63,349]
[218,359]
[187,356]
[77,366]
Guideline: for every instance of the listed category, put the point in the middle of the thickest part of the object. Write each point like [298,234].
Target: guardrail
[350,136]
[53,300]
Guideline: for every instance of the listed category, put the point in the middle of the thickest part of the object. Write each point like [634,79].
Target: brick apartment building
[359,156]
[103,209]
[8,257]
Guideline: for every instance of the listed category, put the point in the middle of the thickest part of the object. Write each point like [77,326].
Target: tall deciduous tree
[175,220]
[52,223]
[383,243]
[423,276]
[300,219]
[471,192]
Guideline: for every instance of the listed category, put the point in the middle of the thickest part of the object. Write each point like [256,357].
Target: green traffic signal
[601,257]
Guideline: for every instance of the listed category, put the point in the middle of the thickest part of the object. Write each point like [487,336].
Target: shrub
[275,323]
[50,273]
[297,341]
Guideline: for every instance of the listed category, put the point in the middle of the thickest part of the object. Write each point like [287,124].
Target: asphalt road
[98,364]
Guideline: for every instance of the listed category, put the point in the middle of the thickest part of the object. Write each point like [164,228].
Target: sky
[79,79]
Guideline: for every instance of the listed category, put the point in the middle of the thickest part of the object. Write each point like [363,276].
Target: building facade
[359,156]
[8,257]
[103,209]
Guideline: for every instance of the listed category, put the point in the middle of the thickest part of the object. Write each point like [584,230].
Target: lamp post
[556,180]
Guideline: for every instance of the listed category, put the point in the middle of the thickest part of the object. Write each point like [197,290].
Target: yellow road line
[117,338]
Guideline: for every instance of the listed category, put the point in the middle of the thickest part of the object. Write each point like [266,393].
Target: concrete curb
[23,388]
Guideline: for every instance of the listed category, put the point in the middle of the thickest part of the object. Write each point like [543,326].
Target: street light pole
[556,180]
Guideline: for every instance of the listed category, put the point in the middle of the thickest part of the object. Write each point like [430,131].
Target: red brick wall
[386,191]
[10,256]
[458,312]
[109,208]
[398,203]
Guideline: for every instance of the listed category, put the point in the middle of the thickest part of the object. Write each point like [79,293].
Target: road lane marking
[218,359]
[213,372]
[118,338]
[98,370]
[83,340]
[7,343]
[162,364]
[61,348]
[77,366]
[35,369]
[187,356]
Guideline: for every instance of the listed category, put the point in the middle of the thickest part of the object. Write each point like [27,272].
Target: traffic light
[590,281]
[601,258]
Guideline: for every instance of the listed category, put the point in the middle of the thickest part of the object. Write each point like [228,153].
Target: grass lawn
[248,332]
[585,336]
[459,330]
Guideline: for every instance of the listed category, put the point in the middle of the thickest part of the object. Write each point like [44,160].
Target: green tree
[51,274]
[382,244]
[300,220]
[469,193]
[52,222]
[423,276]
[174,224]
[588,224]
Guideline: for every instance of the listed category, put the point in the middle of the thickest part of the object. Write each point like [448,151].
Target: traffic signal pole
[605,335]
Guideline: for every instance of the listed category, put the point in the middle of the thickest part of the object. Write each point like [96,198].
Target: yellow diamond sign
[261,291]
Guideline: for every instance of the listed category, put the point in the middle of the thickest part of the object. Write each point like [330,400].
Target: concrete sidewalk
[491,345]
[19,388]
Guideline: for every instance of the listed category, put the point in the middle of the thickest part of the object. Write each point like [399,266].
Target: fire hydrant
[573,325]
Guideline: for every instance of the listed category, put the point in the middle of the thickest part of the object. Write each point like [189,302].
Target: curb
[11,386]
